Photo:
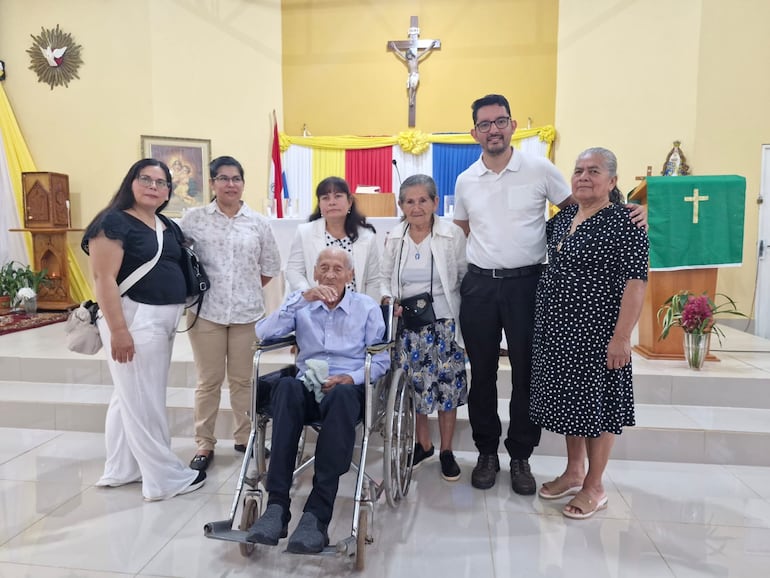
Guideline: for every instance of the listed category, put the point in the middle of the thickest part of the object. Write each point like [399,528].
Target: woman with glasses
[138,330]
[336,223]
[236,247]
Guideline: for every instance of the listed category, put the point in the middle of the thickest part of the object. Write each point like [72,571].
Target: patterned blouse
[235,252]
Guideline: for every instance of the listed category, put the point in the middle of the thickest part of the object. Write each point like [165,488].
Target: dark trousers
[488,307]
[293,407]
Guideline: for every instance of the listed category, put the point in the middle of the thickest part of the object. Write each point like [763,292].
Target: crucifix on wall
[412,51]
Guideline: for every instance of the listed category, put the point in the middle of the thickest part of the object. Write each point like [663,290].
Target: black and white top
[164,284]
[346,245]
[578,302]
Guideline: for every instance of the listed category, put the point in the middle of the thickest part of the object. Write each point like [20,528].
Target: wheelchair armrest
[377,347]
[276,343]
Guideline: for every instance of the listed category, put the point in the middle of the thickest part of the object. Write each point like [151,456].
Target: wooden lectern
[662,284]
[47,219]
[376,204]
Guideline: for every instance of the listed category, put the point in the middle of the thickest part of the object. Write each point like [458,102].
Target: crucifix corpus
[412,51]
[695,199]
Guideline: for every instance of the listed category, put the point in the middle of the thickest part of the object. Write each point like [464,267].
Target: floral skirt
[434,365]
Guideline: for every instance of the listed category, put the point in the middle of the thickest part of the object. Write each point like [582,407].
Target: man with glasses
[500,203]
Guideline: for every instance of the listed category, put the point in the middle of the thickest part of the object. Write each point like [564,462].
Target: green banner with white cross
[695,221]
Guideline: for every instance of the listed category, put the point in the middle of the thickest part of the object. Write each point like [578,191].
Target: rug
[19,321]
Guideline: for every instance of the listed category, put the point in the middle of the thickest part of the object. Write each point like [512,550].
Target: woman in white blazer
[336,223]
[426,255]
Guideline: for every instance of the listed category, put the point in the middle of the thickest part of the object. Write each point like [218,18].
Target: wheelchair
[389,410]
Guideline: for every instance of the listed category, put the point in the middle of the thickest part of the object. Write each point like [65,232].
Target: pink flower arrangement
[697,315]
[694,313]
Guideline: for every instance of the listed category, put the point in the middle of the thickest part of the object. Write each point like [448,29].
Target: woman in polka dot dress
[588,301]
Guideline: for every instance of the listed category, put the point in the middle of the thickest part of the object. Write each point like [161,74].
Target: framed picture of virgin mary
[188,159]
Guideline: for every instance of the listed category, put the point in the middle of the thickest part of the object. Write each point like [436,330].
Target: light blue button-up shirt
[338,336]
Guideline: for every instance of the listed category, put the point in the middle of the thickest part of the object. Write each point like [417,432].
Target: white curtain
[11,244]
[298,166]
[534,146]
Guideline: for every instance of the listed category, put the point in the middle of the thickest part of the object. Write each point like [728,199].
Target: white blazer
[448,249]
[310,240]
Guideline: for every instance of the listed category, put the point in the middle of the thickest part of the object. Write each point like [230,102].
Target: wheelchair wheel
[399,439]
[361,539]
[249,515]
[301,449]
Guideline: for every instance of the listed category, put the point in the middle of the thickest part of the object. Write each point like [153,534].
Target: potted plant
[696,315]
[10,283]
[19,284]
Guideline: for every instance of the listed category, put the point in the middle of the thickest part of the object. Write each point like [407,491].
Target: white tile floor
[663,519]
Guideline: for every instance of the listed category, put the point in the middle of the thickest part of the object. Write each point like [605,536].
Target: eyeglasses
[149,181]
[500,123]
[223,179]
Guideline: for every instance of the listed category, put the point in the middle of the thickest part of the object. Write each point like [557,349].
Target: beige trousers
[219,350]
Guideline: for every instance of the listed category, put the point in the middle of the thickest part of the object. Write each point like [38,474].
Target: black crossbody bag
[196,279]
[418,309]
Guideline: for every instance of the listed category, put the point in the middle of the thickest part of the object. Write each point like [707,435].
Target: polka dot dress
[578,301]
[346,245]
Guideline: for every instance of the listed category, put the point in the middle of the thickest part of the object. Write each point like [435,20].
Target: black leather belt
[506,273]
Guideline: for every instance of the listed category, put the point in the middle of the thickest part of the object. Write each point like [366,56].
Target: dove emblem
[53,57]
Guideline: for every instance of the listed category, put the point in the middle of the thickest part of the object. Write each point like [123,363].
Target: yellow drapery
[20,160]
[412,141]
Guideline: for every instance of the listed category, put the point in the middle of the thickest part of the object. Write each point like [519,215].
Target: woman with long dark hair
[138,330]
[336,222]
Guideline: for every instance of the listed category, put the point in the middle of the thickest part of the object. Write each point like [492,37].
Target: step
[720,414]
[739,379]
[683,433]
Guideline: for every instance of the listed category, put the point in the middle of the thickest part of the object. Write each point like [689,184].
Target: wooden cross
[411,52]
[695,199]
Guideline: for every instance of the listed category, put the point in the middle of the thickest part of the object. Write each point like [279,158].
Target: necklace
[418,247]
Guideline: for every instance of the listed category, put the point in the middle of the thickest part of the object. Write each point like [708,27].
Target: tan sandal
[586,506]
[557,488]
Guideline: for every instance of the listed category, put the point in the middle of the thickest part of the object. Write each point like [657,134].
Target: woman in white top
[425,254]
[236,246]
[336,223]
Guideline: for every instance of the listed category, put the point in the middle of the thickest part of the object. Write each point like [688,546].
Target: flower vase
[696,346]
[30,306]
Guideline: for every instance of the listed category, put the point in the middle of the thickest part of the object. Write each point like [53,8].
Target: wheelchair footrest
[223,530]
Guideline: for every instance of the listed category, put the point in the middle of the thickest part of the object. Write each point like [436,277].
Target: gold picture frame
[188,159]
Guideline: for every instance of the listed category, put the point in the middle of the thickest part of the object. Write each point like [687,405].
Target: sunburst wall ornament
[55,57]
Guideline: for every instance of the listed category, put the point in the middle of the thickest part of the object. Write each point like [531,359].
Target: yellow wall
[339,77]
[632,76]
[153,67]
[635,76]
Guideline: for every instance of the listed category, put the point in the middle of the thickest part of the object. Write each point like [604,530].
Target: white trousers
[136,430]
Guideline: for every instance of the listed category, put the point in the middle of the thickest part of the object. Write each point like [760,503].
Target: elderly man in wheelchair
[333,329]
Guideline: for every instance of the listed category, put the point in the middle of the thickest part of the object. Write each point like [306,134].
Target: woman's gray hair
[418,180]
[610,160]
[611,164]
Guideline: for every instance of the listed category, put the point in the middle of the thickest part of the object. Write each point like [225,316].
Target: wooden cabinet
[47,219]
[46,200]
